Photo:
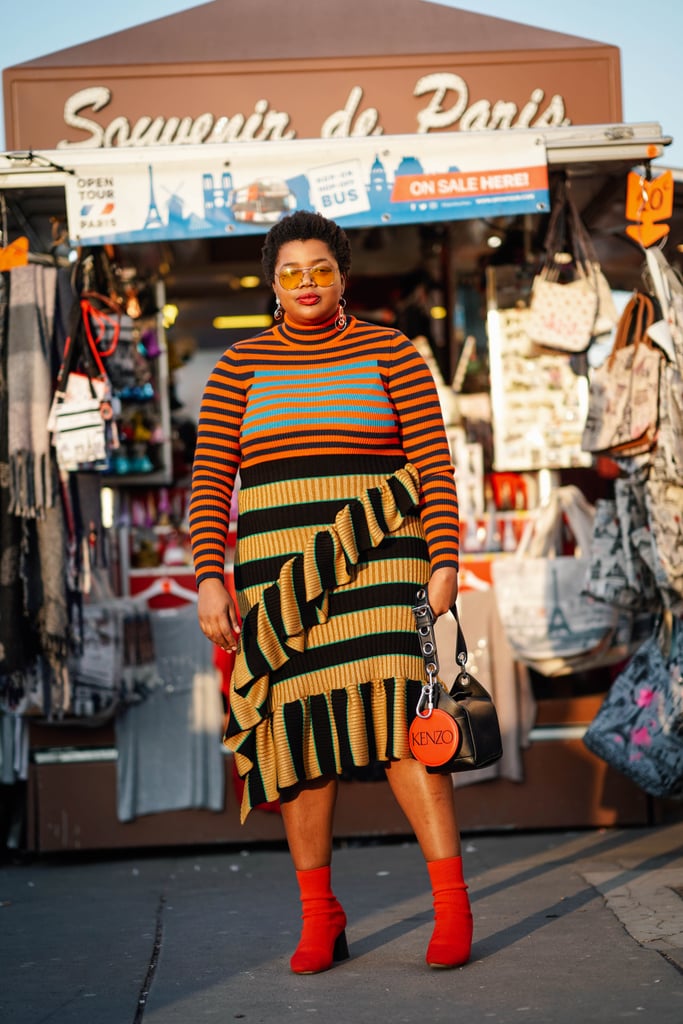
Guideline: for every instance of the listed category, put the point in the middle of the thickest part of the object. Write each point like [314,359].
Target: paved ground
[569,927]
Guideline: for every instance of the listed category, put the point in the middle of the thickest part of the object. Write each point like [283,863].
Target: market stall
[448,225]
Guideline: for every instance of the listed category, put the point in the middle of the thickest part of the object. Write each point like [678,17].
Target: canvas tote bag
[550,624]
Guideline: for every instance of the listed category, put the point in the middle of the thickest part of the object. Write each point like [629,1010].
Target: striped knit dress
[347,502]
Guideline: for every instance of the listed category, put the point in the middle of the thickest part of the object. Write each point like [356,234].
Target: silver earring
[340,322]
[277,315]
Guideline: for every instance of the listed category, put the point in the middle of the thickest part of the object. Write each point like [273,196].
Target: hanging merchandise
[549,623]
[666,284]
[664,501]
[81,417]
[571,300]
[112,660]
[111,333]
[31,319]
[616,573]
[623,403]
[639,727]
[667,462]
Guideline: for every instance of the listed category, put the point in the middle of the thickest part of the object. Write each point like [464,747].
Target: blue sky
[649,39]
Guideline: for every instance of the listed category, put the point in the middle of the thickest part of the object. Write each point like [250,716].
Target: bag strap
[555,235]
[424,622]
[584,250]
[566,231]
[104,319]
[638,315]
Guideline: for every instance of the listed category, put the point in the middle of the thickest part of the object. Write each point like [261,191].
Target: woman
[347,505]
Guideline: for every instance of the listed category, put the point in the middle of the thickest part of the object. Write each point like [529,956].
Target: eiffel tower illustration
[153,219]
[557,623]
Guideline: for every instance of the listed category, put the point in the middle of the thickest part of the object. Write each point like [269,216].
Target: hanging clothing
[29,347]
[169,750]
[347,501]
[14,657]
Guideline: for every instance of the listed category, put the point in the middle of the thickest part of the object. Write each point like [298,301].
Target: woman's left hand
[442,590]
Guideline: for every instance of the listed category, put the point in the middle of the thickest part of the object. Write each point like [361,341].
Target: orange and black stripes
[327,673]
[292,394]
[347,500]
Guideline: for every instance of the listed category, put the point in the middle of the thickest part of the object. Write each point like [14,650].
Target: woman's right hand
[217,614]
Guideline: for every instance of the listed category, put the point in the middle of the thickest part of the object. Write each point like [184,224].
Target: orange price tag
[647,203]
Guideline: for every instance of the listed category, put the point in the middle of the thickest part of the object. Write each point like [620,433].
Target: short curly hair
[300,227]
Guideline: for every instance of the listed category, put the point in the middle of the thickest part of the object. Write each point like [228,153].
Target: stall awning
[171,193]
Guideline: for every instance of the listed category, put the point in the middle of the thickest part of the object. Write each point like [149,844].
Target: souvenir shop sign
[188,192]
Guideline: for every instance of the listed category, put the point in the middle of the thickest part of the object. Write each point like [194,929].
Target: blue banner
[116,196]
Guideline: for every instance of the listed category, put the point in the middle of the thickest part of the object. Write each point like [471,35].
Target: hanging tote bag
[81,416]
[571,301]
[453,730]
[664,502]
[639,727]
[667,284]
[551,626]
[623,396]
[617,573]
[77,425]
[667,461]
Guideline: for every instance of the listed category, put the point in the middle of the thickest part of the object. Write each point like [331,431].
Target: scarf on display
[14,657]
[32,297]
[34,624]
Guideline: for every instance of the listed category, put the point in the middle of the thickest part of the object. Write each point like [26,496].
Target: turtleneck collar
[310,334]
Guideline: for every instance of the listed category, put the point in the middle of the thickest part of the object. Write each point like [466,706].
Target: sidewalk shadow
[533,923]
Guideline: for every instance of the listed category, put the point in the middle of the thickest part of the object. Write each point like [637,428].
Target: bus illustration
[262,202]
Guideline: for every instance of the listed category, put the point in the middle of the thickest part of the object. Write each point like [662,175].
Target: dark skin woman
[347,506]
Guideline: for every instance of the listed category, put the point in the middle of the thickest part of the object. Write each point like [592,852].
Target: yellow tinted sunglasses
[292,277]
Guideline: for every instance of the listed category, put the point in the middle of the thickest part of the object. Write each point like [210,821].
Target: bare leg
[308,816]
[428,803]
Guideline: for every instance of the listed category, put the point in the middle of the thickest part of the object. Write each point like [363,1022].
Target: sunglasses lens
[292,277]
[323,276]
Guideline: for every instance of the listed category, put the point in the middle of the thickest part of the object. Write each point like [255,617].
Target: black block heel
[341,947]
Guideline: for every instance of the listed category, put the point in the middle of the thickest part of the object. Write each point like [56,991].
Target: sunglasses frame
[303,270]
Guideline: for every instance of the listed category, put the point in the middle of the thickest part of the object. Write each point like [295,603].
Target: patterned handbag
[550,624]
[639,727]
[623,400]
[571,300]
[612,565]
[664,502]
[667,463]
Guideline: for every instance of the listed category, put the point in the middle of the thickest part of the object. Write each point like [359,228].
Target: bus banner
[164,193]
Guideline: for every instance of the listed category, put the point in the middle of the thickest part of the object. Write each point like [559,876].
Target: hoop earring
[277,314]
[340,322]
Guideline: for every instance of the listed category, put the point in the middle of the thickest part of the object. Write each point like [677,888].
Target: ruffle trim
[275,628]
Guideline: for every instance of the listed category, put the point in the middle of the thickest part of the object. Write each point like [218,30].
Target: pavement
[582,926]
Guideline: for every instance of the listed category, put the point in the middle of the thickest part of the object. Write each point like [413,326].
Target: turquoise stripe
[261,395]
[318,417]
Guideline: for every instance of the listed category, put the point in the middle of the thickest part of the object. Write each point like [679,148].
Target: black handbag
[456,730]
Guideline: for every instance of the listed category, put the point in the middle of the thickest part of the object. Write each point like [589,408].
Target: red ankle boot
[323,939]
[451,940]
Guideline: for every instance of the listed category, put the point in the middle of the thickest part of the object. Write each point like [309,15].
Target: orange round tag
[434,739]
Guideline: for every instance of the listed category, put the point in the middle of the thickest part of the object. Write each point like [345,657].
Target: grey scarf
[32,297]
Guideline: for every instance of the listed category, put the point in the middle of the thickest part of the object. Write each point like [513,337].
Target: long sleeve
[413,392]
[216,462]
